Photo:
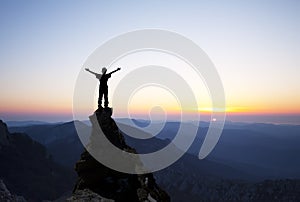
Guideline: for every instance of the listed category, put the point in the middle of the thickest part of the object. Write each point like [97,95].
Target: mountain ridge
[28,170]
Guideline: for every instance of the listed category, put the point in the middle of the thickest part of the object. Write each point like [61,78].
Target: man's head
[104,70]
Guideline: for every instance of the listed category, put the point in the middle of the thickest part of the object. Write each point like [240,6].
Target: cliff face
[4,139]
[100,182]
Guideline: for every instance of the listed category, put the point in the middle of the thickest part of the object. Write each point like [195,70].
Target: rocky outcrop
[4,138]
[105,184]
[87,195]
[6,196]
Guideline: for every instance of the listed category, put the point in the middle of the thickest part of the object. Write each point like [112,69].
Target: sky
[254,46]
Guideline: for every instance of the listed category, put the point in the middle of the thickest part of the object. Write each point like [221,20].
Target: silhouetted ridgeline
[60,139]
[97,180]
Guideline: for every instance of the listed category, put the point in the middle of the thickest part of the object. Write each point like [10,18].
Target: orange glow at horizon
[142,103]
[84,114]
[67,109]
[37,108]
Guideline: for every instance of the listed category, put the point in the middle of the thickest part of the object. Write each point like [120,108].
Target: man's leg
[105,92]
[100,98]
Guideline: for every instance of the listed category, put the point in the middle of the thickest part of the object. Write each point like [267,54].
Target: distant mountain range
[27,123]
[262,151]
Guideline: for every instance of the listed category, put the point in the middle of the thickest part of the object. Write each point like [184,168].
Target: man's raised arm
[87,69]
[115,70]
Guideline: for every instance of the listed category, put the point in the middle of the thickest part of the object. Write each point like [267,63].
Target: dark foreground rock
[87,195]
[6,196]
[99,183]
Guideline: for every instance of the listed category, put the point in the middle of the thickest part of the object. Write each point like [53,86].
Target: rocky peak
[4,134]
[95,179]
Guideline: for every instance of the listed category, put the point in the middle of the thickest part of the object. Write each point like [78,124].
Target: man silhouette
[103,88]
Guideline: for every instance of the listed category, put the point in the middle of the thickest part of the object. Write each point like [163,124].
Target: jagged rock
[6,196]
[3,134]
[107,183]
[87,195]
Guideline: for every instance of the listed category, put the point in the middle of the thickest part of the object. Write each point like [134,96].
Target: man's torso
[103,79]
